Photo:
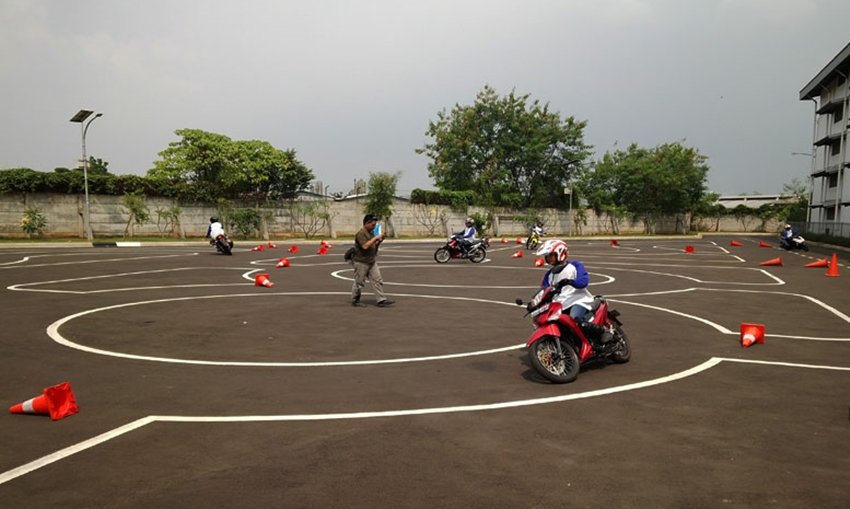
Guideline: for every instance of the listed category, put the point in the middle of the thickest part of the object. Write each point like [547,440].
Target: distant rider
[570,279]
[538,229]
[788,235]
[215,229]
[467,236]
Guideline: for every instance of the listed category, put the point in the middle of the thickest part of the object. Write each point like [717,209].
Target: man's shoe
[356,303]
[386,302]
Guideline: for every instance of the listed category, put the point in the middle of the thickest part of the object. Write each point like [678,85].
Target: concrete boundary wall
[64,213]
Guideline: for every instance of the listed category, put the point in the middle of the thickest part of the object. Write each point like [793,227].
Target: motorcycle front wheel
[531,243]
[442,255]
[624,349]
[805,247]
[478,255]
[558,368]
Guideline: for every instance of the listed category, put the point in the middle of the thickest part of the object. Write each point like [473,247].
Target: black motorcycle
[476,252]
[223,245]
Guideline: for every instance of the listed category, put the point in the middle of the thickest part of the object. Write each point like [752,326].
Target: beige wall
[64,215]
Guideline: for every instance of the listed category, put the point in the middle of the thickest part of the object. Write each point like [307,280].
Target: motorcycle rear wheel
[224,247]
[478,255]
[556,368]
[442,255]
[624,349]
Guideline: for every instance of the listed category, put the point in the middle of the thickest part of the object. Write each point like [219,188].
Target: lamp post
[80,118]
[569,190]
[810,155]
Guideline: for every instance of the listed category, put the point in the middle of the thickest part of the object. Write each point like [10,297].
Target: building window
[830,214]
[838,115]
[836,148]
[833,180]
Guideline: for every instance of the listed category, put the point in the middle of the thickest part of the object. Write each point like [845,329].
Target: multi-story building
[829,203]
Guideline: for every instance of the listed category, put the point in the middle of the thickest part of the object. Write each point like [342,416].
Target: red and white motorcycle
[559,345]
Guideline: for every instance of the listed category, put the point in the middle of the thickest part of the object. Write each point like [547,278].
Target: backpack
[349,254]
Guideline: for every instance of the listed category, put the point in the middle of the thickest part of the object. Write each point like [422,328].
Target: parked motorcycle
[796,242]
[223,244]
[559,345]
[476,252]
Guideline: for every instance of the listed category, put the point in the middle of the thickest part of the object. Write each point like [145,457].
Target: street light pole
[80,118]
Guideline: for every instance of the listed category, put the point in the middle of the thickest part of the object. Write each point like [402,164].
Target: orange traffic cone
[263,280]
[518,254]
[293,249]
[323,250]
[751,333]
[58,402]
[258,248]
[519,241]
[764,244]
[283,262]
[272,245]
[818,263]
[775,261]
[689,249]
[504,240]
[615,242]
[539,262]
[735,243]
[833,267]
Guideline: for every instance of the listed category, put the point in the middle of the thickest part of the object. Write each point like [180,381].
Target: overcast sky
[352,85]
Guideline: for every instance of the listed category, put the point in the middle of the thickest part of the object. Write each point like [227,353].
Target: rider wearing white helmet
[467,236]
[570,279]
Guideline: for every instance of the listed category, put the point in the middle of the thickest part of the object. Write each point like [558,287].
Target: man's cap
[369,217]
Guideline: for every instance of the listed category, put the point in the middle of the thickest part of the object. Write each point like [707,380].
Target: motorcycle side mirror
[518,302]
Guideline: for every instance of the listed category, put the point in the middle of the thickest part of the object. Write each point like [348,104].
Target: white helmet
[559,247]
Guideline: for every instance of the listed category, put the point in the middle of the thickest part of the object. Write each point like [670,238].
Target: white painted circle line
[55,335]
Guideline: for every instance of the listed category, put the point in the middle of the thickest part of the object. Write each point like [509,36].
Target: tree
[137,211]
[667,180]
[798,211]
[381,192]
[510,151]
[208,166]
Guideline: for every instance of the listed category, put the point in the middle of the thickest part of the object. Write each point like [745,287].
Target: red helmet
[559,247]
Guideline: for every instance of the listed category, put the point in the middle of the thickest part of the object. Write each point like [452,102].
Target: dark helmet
[213,219]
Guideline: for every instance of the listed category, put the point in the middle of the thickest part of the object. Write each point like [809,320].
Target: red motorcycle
[476,253]
[559,345]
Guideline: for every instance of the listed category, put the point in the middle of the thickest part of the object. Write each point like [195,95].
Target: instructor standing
[365,263]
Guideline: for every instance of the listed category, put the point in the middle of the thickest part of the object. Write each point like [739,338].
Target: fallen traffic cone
[751,333]
[57,402]
[539,262]
[283,262]
[293,249]
[272,245]
[833,267]
[518,254]
[615,242]
[323,250]
[263,280]
[818,263]
[258,248]
[775,261]
[764,244]
[689,249]
[735,243]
